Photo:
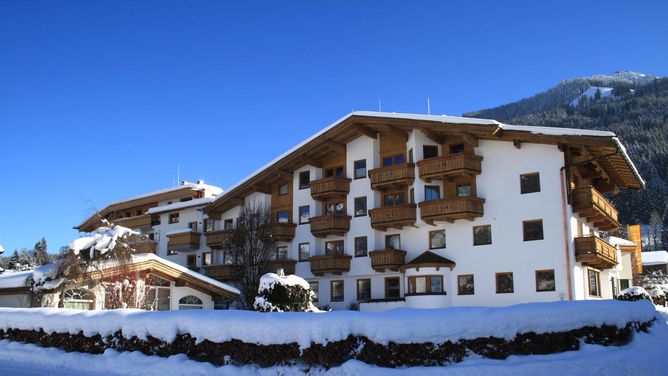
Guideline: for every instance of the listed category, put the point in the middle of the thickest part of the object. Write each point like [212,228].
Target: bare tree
[249,247]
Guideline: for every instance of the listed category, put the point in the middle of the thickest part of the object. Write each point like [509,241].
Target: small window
[338,172]
[399,159]
[430,284]
[387,161]
[282,253]
[456,149]
[334,248]
[360,206]
[482,235]
[530,183]
[465,284]
[360,169]
[392,288]
[411,159]
[464,190]
[393,241]
[190,302]
[192,226]
[282,216]
[304,251]
[504,283]
[394,198]
[363,290]
[174,218]
[429,151]
[411,197]
[190,261]
[533,230]
[360,246]
[206,258]
[594,282]
[304,179]
[623,284]
[209,225]
[334,208]
[437,239]
[432,192]
[314,287]
[304,214]
[337,291]
[228,224]
[545,280]
[283,190]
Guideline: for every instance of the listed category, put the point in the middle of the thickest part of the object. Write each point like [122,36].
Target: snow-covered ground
[643,356]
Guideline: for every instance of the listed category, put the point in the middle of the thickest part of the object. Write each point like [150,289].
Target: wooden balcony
[396,216]
[448,166]
[184,241]
[144,246]
[392,259]
[221,272]
[391,177]
[326,225]
[284,232]
[287,265]
[594,251]
[595,208]
[328,188]
[139,221]
[451,209]
[335,264]
[216,239]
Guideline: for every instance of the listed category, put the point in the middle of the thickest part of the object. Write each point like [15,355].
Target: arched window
[190,302]
[78,299]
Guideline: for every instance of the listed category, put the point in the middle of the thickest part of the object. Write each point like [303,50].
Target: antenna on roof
[380,107]
[428,106]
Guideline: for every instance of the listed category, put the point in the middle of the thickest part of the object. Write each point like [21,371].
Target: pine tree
[41,255]
[597,95]
[13,263]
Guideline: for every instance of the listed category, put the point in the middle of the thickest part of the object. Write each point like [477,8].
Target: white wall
[181,291]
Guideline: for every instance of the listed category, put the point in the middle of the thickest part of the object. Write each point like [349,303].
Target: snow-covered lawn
[643,356]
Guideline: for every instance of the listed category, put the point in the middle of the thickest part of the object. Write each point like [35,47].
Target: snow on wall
[408,325]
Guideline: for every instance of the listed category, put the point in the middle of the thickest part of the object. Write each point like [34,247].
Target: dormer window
[457,149]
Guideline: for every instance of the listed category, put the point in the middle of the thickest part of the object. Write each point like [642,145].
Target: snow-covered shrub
[633,294]
[658,294]
[280,293]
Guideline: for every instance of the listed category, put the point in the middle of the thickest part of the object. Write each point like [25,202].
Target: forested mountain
[637,111]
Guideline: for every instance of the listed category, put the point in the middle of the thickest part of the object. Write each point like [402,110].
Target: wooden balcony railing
[451,209]
[216,239]
[221,272]
[184,241]
[144,246]
[335,264]
[594,251]
[396,216]
[449,166]
[392,259]
[284,232]
[327,188]
[287,265]
[592,205]
[139,221]
[393,176]
[326,225]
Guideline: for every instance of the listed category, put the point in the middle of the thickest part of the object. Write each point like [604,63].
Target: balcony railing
[284,232]
[287,265]
[216,239]
[396,216]
[327,188]
[594,251]
[326,225]
[451,209]
[449,166]
[335,264]
[392,259]
[592,205]
[393,176]
[221,272]
[139,221]
[144,246]
[184,241]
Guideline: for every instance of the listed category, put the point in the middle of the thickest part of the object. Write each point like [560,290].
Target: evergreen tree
[597,95]
[41,255]
[13,263]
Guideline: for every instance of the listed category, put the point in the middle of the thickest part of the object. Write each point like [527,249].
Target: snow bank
[400,325]
[103,239]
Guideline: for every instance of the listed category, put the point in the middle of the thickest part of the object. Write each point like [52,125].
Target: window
[360,169]
[393,241]
[456,149]
[228,224]
[304,214]
[545,280]
[171,252]
[314,288]
[429,151]
[209,225]
[336,291]
[78,299]
[158,297]
[304,251]
[304,179]
[190,302]
[533,230]
[504,283]
[174,218]
[387,161]
[594,282]
[334,172]
[192,226]
[432,192]
[333,208]
[334,248]
[191,261]
[394,198]
[282,253]
[464,190]
[360,246]
[529,183]
[465,284]
[206,258]
[429,284]
[437,239]
[392,288]
[283,190]
[399,159]
[363,290]
[482,235]
[283,216]
[360,206]
[411,196]
[411,159]
[623,284]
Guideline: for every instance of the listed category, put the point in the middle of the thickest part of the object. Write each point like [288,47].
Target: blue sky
[103,100]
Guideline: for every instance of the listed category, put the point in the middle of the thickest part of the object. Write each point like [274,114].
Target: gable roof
[429,259]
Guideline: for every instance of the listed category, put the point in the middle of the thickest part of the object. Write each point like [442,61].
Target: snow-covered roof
[194,186]
[654,258]
[12,280]
[181,205]
[614,241]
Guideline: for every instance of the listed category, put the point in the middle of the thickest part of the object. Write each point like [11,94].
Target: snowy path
[643,356]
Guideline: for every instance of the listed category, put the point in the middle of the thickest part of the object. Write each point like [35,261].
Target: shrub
[633,294]
[279,293]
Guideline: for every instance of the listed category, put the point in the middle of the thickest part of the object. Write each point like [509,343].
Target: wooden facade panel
[391,145]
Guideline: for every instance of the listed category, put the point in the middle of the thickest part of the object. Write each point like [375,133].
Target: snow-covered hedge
[633,294]
[280,293]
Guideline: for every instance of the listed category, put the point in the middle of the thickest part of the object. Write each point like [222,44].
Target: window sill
[427,294]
